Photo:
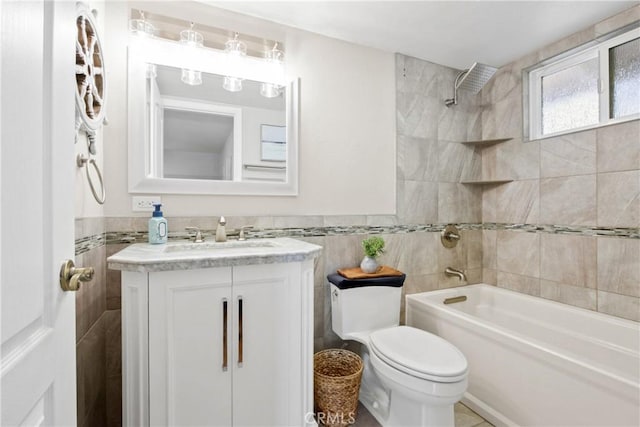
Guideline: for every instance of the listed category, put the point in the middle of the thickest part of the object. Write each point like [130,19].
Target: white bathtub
[535,362]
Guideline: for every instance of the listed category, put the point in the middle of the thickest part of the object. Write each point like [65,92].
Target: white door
[36,216]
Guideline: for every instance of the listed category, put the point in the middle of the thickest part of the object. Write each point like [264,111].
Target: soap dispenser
[221,232]
[157,227]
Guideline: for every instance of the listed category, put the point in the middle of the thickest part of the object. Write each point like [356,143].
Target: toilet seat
[419,353]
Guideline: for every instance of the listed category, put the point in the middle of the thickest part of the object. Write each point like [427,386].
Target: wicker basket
[336,378]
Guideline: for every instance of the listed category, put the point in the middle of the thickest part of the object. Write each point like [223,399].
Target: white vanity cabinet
[218,346]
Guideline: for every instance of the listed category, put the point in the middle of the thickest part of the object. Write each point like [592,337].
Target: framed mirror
[190,135]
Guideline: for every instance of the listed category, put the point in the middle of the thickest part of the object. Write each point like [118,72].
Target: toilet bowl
[411,377]
[426,374]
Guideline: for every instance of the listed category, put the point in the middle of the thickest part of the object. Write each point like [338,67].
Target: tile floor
[465,417]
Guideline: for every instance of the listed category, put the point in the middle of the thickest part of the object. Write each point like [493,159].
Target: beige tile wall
[98,345]
[420,255]
[589,178]
[430,159]
[91,324]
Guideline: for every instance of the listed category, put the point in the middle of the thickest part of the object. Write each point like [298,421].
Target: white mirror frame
[144,51]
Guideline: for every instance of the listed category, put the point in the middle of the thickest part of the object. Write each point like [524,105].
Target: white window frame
[573,58]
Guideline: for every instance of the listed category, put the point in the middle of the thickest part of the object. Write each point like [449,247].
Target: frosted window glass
[570,97]
[624,71]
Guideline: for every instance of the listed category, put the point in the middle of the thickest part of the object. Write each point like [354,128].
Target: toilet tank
[364,308]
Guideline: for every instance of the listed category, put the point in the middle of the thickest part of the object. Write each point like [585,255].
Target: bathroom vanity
[217,333]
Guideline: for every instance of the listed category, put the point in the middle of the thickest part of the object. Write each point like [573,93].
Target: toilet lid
[419,353]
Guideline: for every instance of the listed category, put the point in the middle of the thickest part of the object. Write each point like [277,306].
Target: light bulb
[232,84]
[274,55]
[191,77]
[269,90]
[141,26]
[191,38]
[235,47]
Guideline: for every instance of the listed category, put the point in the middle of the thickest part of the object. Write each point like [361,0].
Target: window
[591,86]
[273,143]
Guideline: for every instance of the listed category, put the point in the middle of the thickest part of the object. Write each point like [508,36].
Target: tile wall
[91,324]
[431,163]
[586,180]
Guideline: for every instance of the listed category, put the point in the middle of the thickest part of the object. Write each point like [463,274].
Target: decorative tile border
[85,244]
[632,233]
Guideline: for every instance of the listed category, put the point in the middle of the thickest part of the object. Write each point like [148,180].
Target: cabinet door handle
[224,334]
[240,331]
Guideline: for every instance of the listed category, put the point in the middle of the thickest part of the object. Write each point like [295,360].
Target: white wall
[347,134]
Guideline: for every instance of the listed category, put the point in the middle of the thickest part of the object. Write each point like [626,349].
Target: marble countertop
[143,257]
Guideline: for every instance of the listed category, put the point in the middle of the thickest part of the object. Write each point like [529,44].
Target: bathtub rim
[440,307]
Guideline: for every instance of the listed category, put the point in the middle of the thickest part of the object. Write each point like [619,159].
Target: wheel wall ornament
[91,87]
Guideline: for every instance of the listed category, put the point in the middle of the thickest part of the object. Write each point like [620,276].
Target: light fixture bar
[208,60]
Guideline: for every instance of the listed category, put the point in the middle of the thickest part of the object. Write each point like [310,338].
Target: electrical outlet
[144,203]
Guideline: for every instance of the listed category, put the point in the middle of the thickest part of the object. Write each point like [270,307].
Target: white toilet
[411,377]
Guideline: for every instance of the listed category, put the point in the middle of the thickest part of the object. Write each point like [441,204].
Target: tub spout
[453,272]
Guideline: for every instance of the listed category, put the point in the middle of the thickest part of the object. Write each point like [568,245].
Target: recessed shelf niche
[486,142]
[480,144]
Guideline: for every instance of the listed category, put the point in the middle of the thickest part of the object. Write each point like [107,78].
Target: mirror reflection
[200,129]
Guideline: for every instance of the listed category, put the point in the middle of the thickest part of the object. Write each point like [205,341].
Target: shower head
[476,77]
[471,80]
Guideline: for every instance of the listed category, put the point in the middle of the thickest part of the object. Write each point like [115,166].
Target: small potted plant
[373,247]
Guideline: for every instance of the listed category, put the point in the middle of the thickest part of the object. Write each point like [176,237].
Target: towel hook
[82,160]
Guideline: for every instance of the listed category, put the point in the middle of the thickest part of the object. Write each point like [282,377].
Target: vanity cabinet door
[189,383]
[266,351]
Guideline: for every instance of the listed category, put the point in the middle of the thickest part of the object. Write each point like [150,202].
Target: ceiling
[451,33]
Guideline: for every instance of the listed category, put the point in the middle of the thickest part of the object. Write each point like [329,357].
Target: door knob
[72,276]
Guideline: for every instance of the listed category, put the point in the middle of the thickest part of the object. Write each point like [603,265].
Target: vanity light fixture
[191,38]
[141,26]
[274,56]
[235,48]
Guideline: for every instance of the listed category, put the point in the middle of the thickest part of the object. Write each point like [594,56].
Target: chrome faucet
[453,272]
[221,232]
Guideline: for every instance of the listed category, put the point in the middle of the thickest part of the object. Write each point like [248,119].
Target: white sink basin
[219,246]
